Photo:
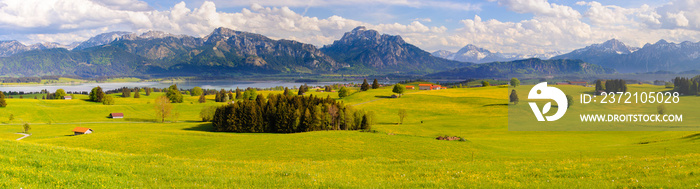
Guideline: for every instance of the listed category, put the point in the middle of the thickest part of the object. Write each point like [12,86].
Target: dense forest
[687,86]
[289,114]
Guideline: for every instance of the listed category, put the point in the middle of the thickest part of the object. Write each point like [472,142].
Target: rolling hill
[525,67]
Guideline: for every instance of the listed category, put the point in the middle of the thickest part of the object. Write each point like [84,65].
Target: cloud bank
[552,27]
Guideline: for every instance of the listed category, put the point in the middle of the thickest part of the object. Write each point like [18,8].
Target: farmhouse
[116,115]
[67,97]
[410,87]
[82,131]
[424,86]
[435,87]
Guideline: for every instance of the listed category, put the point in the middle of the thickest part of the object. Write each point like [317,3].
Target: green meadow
[137,152]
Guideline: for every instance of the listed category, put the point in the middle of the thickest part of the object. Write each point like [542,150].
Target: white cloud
[68,18]
[540,8]
[131,5]
[678,19]
[423,19]
[607,15]
[552,28]
[458,5]
[680,14]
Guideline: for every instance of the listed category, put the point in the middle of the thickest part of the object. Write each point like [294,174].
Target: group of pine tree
[286,113]
[613,85]
[687,86]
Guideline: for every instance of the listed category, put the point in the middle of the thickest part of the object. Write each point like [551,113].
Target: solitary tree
[485,83]
[238,93]
[399,89]
[12,117]
[163,108]
[514,82]
[174,94]
[148,91]
[569,100]
[375,84]
[661,109]
[196,91]
[97,95]
[2,100]
[136,94]
[402,115]
[108,100]
[126,92]
[60,93]
[26,128]
[202,98]
[343,92]
[364,86]
[514,97]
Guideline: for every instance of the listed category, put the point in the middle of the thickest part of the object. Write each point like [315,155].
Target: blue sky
[510,26]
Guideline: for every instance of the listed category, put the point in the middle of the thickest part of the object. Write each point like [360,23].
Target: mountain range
[222,52]
[660,56]
[226,52]
[472,53]
[367,50]
[533,67]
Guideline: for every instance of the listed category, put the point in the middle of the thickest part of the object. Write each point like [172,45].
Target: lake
[215,84]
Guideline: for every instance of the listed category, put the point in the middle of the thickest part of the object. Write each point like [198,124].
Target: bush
[661,109]
[26,128]
[196,91]
[485,83]
[343,92]
[174,94]
[108,100]
[207,113]
[399,89]
[514,82]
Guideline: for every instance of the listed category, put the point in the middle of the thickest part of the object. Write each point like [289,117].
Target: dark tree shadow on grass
[506,104]
[205,126]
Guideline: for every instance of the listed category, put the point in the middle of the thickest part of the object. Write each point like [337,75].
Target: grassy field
[136,152]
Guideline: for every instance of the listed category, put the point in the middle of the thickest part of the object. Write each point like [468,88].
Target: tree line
[613,85]
[687,86]
[279,113]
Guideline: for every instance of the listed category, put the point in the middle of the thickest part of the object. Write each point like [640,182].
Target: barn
[116,115]
[67,97]
[82,131]
[410,87]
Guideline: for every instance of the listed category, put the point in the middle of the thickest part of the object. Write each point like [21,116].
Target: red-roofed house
[116,115]
[82,130]
[410,87]
[435,87]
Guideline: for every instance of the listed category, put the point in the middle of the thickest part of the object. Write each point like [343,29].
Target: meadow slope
[136,152]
